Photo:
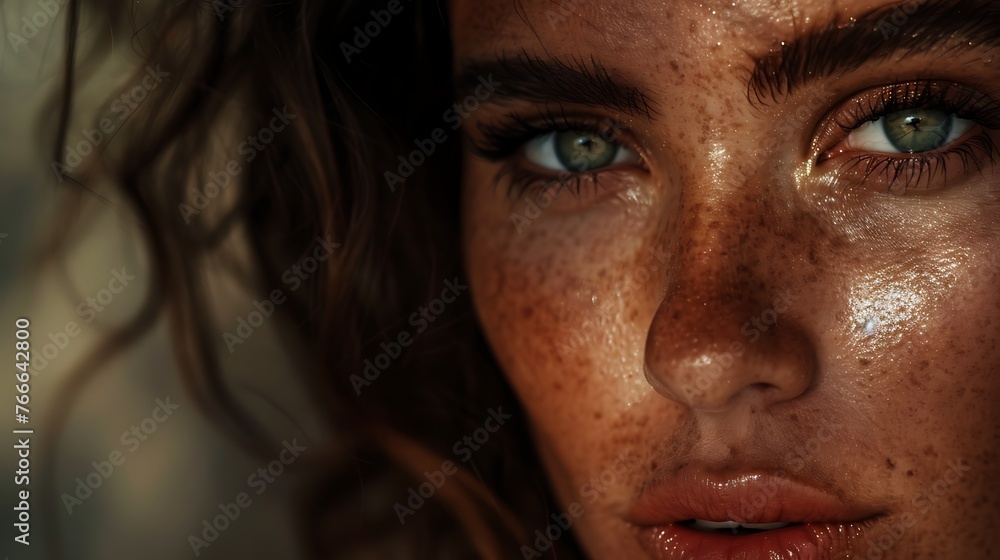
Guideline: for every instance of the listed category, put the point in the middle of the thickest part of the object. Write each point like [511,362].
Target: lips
[695,515]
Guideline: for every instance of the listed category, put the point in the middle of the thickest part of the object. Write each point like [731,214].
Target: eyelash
[905,172]
[502,139]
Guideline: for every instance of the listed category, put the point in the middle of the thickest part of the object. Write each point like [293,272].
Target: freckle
[674,65]
[864,361]
[527,312]
[794,418]
[652,466]
[890,463]
[598,416]
[909,473]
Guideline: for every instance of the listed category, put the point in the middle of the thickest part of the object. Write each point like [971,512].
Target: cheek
[562,306]
[565,305]
[913,351]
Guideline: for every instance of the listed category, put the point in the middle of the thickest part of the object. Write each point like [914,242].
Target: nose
[724,331]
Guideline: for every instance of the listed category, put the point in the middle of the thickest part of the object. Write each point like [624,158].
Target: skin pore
[755,285]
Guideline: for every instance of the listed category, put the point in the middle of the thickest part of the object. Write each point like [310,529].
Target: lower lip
[810,541]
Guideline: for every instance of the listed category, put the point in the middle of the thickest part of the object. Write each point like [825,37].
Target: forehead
[634,28]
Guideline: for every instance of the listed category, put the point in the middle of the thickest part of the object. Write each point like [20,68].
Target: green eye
[577,151]
[580,151]
[912,131]
[918,130]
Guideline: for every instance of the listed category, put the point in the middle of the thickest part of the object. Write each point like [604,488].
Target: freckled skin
[602,311]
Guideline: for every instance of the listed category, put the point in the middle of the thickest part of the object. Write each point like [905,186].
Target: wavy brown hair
[230,64]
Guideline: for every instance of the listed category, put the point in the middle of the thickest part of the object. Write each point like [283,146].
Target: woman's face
[740,261]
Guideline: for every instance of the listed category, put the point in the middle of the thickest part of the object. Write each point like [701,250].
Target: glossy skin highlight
[871,364]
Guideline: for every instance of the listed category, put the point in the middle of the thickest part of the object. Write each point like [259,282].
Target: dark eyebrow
[573,81]
[911,27]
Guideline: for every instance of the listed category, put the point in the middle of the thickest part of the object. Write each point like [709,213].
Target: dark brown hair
[231,64]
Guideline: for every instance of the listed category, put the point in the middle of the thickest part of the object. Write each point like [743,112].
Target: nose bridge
[715,279]
[722,329]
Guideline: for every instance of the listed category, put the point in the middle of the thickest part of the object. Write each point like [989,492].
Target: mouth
[756,516]
[732,527]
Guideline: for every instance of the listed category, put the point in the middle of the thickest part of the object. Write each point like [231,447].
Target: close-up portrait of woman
[557,279]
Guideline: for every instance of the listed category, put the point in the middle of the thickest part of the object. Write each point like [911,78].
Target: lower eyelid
[524,179]
[900,173]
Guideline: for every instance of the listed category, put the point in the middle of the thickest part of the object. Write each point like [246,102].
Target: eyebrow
[574,80]
[912,27]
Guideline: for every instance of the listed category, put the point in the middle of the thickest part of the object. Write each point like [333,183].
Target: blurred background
[139,471]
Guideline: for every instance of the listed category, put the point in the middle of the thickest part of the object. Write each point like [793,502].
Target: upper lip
[747,497]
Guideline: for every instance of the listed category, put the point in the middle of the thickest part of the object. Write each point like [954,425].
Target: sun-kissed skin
[619,314]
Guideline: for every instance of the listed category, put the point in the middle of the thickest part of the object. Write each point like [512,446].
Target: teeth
[714,525]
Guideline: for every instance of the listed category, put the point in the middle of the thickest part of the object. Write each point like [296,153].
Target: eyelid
[501,137]
[870,104]
[898,173]
[873,137]
[544,147]
[503,141]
